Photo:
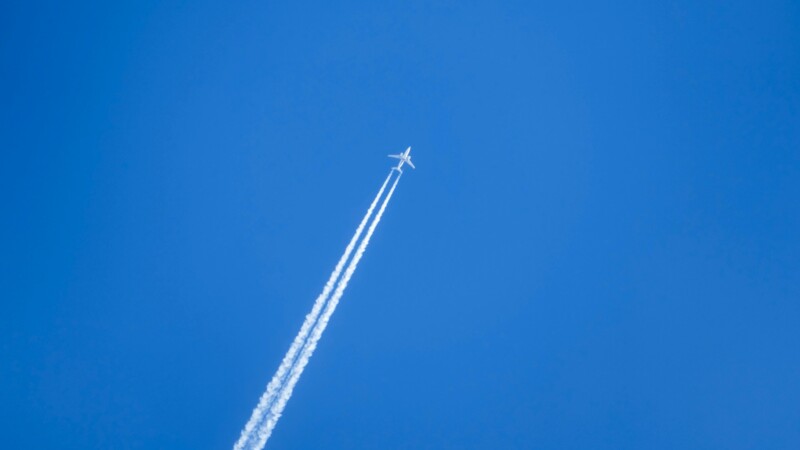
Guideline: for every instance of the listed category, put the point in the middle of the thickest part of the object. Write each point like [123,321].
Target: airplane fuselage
[404,157]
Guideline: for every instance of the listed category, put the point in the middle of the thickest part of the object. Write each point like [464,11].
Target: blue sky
[599,248]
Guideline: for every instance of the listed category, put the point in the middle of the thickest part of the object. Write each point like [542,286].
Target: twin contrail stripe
[297,370]
[274,386]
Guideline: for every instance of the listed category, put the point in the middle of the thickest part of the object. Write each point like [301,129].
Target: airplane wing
[410,164]
[396,156]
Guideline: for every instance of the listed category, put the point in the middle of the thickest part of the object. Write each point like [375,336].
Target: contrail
[286,391]
[278,379]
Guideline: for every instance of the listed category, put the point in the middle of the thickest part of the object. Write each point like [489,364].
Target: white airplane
[404,157]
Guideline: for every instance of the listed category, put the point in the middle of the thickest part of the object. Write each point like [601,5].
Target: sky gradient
[598,249]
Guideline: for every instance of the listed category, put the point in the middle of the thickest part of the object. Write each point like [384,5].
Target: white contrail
[289,359]
[274,413]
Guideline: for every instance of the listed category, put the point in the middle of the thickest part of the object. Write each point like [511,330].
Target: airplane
[404,157]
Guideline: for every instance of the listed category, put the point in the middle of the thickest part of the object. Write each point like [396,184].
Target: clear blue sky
[598,249]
